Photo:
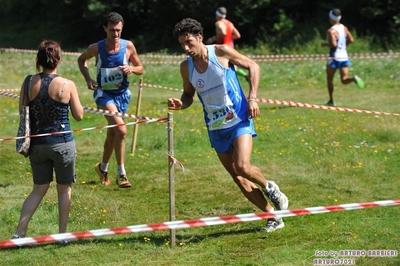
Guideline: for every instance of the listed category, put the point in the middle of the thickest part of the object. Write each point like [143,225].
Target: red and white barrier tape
[6,92]
[264,58]
[296,104]
[162,62]
[324,107]
[30,51]
[323,56]
[175,161]
[9,90]
[89,128]
[287,103]
[11,60]
[93,110]
[193,223]
[109,113]
[161,87]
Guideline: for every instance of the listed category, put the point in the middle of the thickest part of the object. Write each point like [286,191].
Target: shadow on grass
[340,190]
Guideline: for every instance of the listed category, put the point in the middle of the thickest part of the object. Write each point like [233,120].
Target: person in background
[338,38]
[116,58]
[226,33]
[209,71]
[50,99]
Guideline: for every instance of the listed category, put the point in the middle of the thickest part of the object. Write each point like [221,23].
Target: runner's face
[113,31]
[191,44]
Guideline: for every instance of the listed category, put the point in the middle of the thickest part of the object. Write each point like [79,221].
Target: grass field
[318,157]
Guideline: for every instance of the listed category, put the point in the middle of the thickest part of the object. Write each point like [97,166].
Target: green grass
[318,157]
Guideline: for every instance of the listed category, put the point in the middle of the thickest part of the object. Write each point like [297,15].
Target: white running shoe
[279,199]
[272,225]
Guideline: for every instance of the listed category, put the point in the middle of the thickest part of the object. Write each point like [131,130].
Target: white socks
[121,170]
[104,166]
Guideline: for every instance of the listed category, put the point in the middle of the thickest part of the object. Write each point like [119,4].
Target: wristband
[252,100]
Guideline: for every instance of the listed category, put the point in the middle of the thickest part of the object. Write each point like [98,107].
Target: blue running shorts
[222,139]
[338,64]
[121,100]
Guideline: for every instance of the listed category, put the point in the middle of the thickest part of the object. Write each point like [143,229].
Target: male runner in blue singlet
[210,71]
[116,58]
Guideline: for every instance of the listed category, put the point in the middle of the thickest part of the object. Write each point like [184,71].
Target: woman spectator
[50,99]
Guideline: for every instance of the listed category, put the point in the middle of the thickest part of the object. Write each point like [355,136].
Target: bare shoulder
[59,81]
[91,51]
[184,62]
[226,54]
[70,82]
[330,30]
[184,65]
[131,48]
[129,44]
[223,49]
[70,85]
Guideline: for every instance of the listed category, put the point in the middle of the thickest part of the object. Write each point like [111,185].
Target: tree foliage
[149,23]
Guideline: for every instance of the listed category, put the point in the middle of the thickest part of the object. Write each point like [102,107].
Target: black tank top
[48,115]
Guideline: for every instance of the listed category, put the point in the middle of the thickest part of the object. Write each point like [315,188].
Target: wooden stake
[136,127]
[171,178]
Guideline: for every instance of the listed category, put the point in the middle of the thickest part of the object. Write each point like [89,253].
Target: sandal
[16,236]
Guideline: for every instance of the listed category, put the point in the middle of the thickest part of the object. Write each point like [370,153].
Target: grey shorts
[58,156]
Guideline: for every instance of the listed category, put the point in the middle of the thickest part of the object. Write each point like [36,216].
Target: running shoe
[122,182]
[330,103]
[279,199]
[272,225]
[359,82]
[103,176]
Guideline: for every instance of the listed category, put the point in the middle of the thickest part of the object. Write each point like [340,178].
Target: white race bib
[111,78]
[220,116]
